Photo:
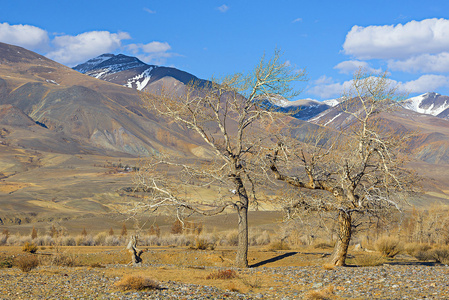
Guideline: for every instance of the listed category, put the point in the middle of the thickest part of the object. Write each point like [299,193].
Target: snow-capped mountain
[129,71]
[302,109]
[332,102]
[429,103]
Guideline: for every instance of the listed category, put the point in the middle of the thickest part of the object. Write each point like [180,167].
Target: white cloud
[27,36]
[424,84]
[429,36]
[154,52]
[351,66]
[297,20]
[149,10]
[224,8]
[325,87]
[74,49]
[427,63]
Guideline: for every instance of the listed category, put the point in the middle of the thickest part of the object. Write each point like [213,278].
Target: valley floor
[386,282]
[269,278]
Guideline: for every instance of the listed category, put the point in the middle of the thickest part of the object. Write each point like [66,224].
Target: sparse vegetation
[441,255]
[27,263]
[6,262]
[280,245]
[222,274]
[323,294]
[63,259]
[136,283]
[29,247]
[369,260]
[388,246]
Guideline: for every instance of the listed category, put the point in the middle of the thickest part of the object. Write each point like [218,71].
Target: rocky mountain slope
[130,71]
[429,103]
[101,117]
[133,73]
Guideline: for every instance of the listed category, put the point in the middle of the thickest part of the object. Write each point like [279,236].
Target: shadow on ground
[273,259]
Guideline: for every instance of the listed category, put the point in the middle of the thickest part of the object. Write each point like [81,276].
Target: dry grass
[63,259]
[414,248]
[421,252]
[369,260]
[232,287]
[27,263]
[323,294]
[6,262]
[328,267]
[29,247]
[321,244]
[136,283]
[388,246]
[202,244]
[273,246]
[223,274]
[441,255]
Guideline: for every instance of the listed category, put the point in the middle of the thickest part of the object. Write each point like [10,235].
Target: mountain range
[76,122]
[131,72]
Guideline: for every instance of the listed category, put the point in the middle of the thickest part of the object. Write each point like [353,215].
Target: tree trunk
[344,237]
[135,253]
[241,259]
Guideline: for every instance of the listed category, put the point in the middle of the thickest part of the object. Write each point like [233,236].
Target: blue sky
[208,38]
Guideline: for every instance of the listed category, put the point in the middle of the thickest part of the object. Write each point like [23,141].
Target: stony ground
[400,281]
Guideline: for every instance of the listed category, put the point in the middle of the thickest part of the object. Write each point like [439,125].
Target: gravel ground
[385,282]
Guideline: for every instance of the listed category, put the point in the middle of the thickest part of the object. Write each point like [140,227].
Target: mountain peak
[429,103]
[129,71]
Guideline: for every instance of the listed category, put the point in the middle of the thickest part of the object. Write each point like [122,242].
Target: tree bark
[344,237]
[241,259]
[135,253]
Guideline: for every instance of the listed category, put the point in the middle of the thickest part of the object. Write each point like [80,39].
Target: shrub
[202,244]
[29,247]
[232,238]
[231,286]
[424,255]
[136,283]
[6,262]
[27,263]
[369,260]
[441,255]
[96,265]
[68,241]
[273,246]
[262,239]
[45,240]
[82,240]
[3,239]
[414,248]
[111,240]
[223,274]
[321,244]
[100,239]
[388,246]
[323,294]
[63,259]
[176,227]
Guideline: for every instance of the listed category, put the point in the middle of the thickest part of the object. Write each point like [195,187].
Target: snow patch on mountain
[141,80]
[331,120]
[428,103]
[332,102]
[92,63]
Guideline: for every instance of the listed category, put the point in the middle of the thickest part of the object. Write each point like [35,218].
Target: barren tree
[230,117]
[359,168]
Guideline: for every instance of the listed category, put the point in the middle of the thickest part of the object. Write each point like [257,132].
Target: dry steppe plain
[182,273]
